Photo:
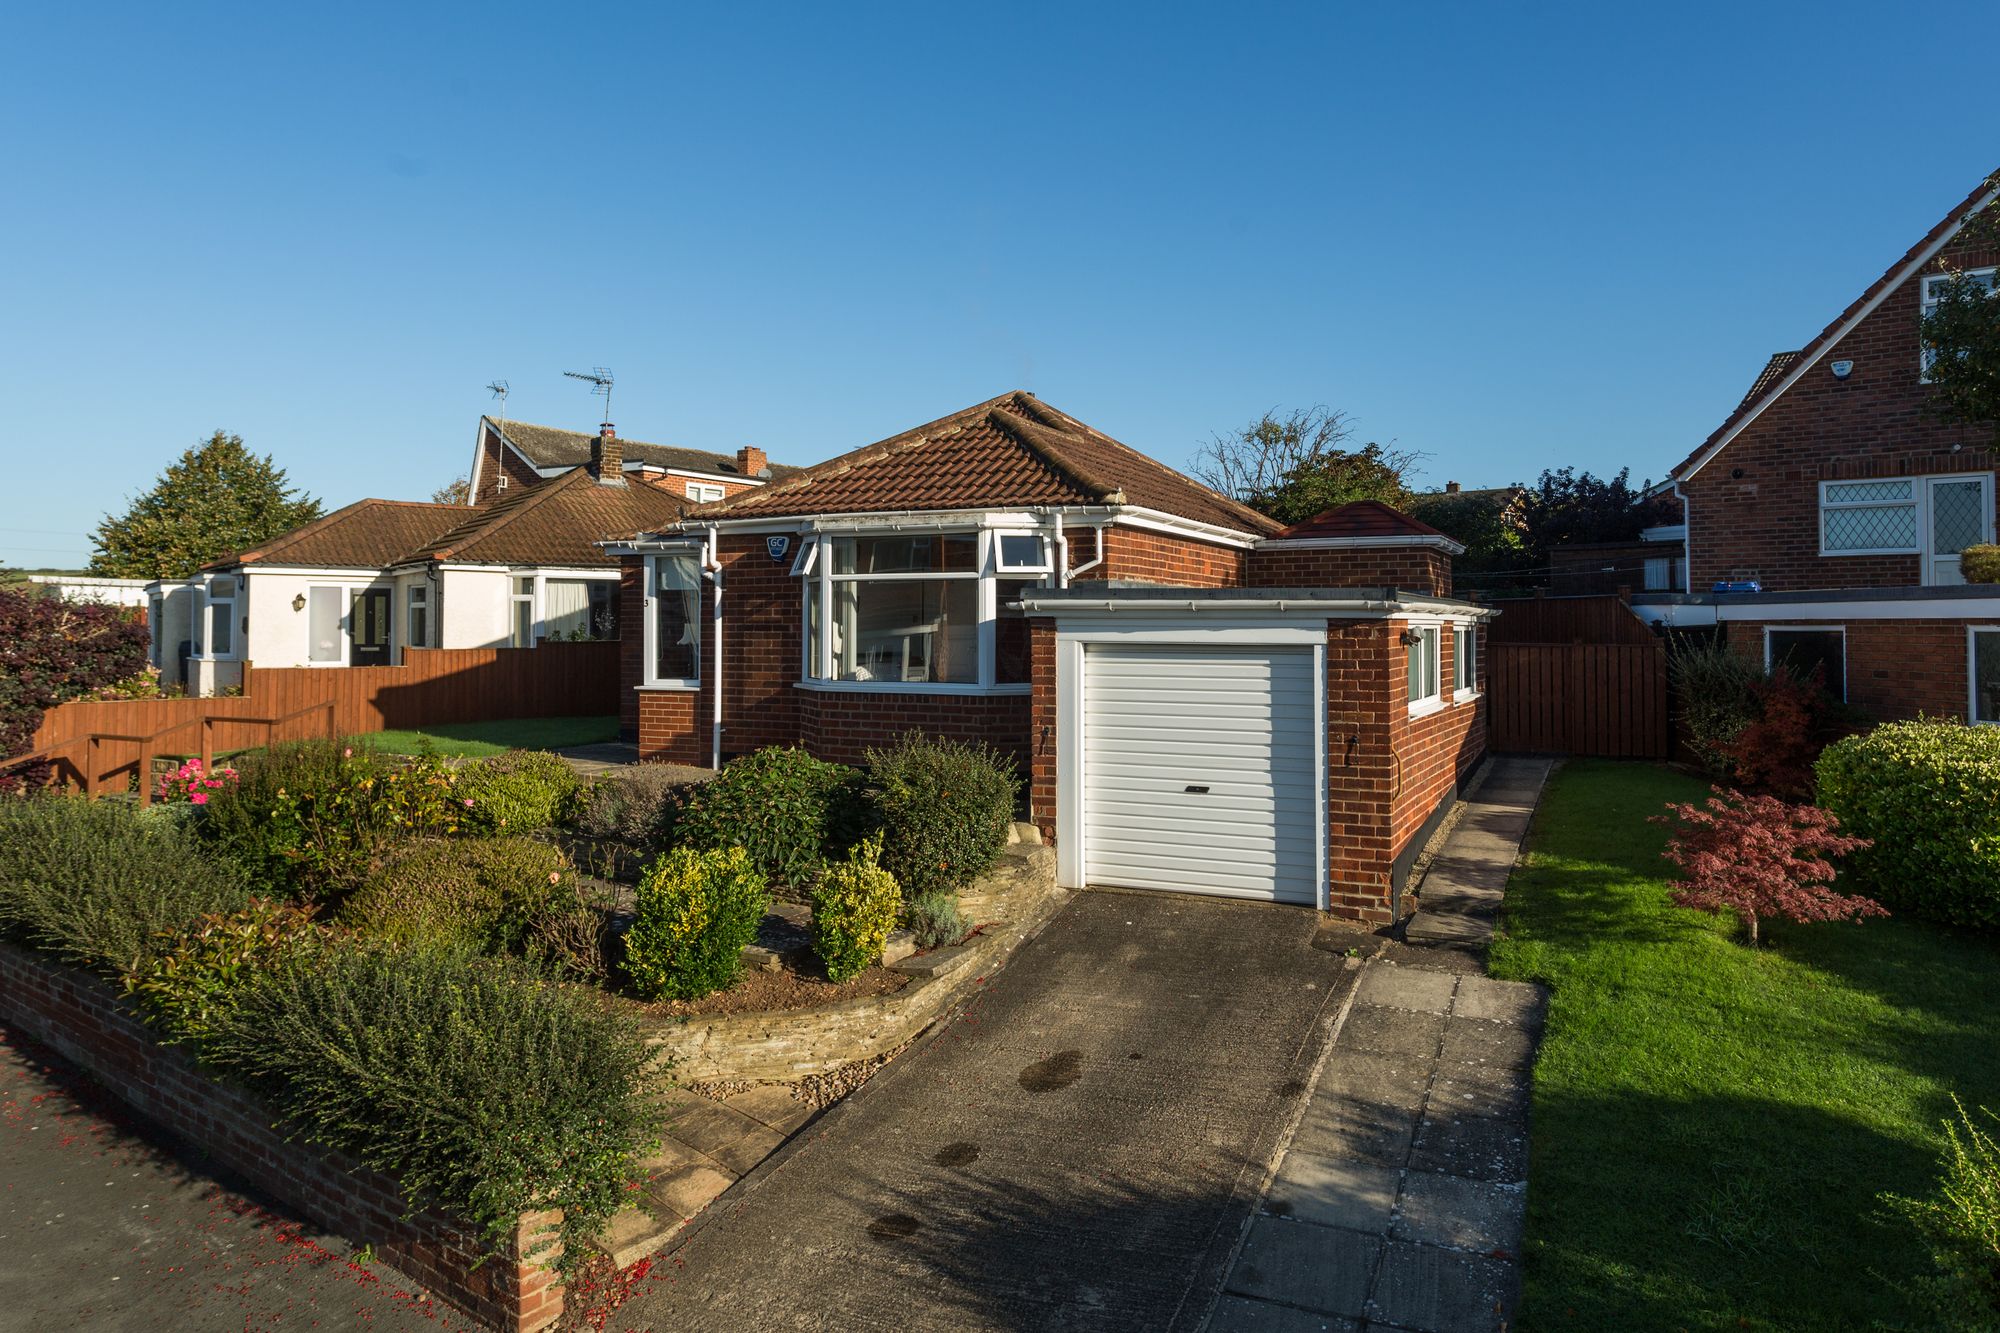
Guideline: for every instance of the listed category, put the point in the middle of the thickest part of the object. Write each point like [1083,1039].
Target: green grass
[473,739]
[1714,1126]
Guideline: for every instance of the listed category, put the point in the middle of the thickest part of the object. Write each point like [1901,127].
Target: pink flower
[468,802]
[348,753]
[200,798]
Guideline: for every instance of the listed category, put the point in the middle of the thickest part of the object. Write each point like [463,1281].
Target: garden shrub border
[82,1017]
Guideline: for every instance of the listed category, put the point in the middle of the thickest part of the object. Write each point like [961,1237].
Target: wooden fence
[92,742]
[1593,619]
[1606,699]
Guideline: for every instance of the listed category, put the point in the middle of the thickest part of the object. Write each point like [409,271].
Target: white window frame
[1810,628]
[1972,633]
[1919,502]
[533,598]
[203,601]
[1927,301]
[705,492]
[1464,660]
[817,587]
[345,623]
[649,640]
[1431,646]
[416,596]
[1044,566]
[808,556]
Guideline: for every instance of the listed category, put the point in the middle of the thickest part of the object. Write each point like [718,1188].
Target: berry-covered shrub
[1760,857]
[482,893]
[854,907]
[695,912]
[522,791]
[98,884]
[788,810]
[1926,794]
[943,807]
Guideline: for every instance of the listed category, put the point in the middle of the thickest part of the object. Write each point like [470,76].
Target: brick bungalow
[1826,514]
[1201,700]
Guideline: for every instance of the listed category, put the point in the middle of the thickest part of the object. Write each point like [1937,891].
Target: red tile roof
[557,523]
[1767,386]
[1008,452]
[1362,518]
[368,534]
[551,447]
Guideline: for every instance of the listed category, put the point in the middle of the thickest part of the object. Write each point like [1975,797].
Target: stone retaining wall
[82,1017]
[1019,894]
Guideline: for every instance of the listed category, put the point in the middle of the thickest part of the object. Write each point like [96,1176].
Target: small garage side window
[1422,641]
[1465,659]
[1809,654]
[1983,668]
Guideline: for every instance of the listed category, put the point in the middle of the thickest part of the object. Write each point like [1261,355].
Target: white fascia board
[1665,532]
[1967,608]
[732,478]
[353,573]
[1437,543]
[1131,516]
[908,519]
[650,545]
[1330,608]
[1798,372]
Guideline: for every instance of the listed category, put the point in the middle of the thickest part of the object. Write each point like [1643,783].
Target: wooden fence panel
[1606,699]
[100,739]
[1594,619]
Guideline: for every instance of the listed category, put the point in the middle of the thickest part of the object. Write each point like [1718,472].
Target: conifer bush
[695,912]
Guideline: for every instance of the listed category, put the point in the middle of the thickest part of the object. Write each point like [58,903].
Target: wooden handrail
[148,745]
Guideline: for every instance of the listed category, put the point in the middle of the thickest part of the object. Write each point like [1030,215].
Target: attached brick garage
[1010,575]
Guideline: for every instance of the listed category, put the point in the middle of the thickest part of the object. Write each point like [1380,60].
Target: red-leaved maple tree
[1758,856]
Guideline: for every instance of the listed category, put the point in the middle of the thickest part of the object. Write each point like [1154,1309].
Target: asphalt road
[1079,1151]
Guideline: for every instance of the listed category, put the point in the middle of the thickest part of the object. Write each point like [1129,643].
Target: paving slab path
[1081,1150]
[1459,899]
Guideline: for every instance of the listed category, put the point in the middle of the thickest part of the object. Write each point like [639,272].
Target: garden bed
[780,991]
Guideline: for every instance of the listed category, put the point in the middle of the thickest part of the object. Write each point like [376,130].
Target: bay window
[929,609]
[673,620]
[579,609]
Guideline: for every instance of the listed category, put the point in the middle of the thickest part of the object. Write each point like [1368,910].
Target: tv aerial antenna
[499,389]
[599,380]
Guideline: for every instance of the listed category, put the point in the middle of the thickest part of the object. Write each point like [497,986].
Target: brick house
[1200,700]
[521,566]
[1825,515]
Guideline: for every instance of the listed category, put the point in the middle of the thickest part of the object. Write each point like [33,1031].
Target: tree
[1759,857]
[1961,336]
[218,499]
[1565,507]
[457,493]
[52,650]
[1487,523]
[1293,466]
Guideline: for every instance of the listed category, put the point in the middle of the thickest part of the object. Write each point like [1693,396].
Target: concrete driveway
[1079,1151]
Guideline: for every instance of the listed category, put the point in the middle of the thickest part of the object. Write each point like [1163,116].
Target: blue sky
[1512,237]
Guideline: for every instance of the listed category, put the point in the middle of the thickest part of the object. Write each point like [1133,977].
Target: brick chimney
[752,461]
[1451,488]
[607,457]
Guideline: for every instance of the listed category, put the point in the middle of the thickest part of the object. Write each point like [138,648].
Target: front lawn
[477,739]
[1713,1126]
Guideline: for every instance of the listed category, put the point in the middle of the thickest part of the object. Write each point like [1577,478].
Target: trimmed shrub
[483,894]
[935,921]
[522,791]
[1760,857]
[943,807]
[97,884]
[1980,564]
[473,1082]
[1961,1224]
[196,978]
[1715,689]
[696,911]
[51,651]
[855,906]
[310,817]
[633,806]
[785,808]
[1927,795]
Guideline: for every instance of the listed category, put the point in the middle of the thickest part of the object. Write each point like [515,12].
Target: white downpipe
[1095,560]
[1062,553]
[711,561]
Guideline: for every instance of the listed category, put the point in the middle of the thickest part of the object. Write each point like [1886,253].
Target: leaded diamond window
[1958,517]
[1866,492]
[1872,528]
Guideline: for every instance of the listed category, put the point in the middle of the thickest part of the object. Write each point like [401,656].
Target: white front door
[1199,770]
[1961,515]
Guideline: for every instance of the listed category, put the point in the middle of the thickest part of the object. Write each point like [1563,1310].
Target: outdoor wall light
[299,602]
[1412,636]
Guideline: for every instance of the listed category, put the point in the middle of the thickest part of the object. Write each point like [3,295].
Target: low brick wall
[82,1017]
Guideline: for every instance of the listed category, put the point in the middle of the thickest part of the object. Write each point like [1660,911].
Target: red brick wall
[1896,669]
[495,459]
[1436,750]
[1411,568]
[1134,555]
[678,485]
[1764,525]
[840,724]
[1042,736]
[79,1015]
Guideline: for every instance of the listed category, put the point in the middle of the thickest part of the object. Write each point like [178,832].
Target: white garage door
[1198,770]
